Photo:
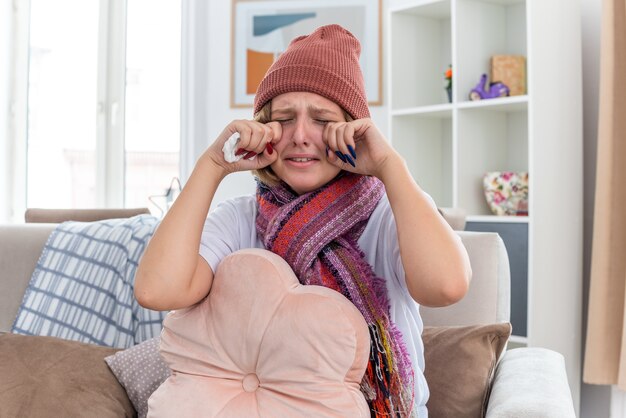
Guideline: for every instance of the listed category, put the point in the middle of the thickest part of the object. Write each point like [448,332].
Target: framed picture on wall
[262,30]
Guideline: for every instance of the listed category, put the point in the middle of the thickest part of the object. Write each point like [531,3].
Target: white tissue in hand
[230,147]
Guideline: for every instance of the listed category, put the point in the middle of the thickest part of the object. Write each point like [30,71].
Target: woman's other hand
[363,148]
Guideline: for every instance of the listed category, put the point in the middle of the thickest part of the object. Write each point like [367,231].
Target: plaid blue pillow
[82,286]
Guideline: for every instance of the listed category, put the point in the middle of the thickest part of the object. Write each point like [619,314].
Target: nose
[301,132]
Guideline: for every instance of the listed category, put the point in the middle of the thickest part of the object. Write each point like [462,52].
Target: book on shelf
[510,70]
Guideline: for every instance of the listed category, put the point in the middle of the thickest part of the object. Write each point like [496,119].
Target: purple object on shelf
[494,90]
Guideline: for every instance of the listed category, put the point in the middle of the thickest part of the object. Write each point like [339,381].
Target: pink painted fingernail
[269,148]
[240,151]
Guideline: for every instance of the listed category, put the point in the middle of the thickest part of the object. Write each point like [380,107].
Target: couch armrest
[489,297]
[531,382]
[20,248]
[37,215]
[456,217]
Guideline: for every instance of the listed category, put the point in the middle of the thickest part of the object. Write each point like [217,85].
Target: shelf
[491,141]
[437,9]
[449,147]
[503,104]
[423,85]
[484,29]
[426,144]
[434,111]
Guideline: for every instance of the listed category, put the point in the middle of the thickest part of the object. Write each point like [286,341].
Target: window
[61,103]
[152,99]
[103,102]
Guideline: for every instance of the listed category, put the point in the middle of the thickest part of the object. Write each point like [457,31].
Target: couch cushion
[460,363]
[82,286]
[261,344]
[50,377]
[141,370]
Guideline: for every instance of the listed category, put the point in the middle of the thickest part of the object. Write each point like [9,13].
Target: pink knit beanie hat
[326,62]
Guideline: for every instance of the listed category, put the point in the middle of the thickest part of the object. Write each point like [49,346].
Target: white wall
[5,48]
[218,112]
[594,399]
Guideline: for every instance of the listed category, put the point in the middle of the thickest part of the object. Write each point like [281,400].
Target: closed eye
[282,121]
[321,121]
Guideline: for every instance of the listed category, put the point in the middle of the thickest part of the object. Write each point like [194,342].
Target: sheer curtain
[605,356]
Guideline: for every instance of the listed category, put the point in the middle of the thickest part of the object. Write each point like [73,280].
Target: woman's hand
[255,139]
[362,143]
[436,264]
[171,274]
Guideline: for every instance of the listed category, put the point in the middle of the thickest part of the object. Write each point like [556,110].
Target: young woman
[334,199]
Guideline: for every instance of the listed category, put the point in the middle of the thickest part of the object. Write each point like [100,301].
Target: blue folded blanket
[82,286]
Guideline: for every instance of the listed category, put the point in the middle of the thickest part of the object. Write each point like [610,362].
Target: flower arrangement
[448,78]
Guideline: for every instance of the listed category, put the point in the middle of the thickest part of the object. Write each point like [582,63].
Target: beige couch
[528,382]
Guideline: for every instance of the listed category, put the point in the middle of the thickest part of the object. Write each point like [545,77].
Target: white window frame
[110,107]
[110,102]
[194,74]
[14,98]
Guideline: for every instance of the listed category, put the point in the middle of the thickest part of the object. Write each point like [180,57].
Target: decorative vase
[506,192]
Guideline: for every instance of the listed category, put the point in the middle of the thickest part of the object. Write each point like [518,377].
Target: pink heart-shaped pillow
[263,345]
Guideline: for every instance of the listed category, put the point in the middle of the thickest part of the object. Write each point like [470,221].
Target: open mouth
[302,160]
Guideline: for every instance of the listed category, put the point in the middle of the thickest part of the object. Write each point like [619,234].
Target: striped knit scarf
[317,233]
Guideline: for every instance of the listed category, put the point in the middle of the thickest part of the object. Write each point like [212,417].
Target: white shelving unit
[458,141]
[449,146]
